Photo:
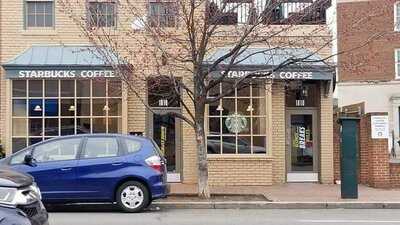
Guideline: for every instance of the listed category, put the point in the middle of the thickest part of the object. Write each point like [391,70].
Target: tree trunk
[204,191]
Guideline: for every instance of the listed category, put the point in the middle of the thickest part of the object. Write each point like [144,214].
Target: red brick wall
[377,156]
[366,35]
[363,151]
[395,174]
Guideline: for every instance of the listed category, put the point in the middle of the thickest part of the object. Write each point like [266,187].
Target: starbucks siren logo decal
[236,123]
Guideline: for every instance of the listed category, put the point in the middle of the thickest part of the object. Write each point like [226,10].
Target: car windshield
[19,157]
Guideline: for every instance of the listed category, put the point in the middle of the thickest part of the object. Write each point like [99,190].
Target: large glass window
[42,109]
[39,13]
[237,124]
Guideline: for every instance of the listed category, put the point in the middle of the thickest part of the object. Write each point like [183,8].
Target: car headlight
[24,196]
[7,195]
[35,189]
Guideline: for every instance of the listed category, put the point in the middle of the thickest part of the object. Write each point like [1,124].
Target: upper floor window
[162,14]
[39,14]
[102,14]
[397,16]
[397,63]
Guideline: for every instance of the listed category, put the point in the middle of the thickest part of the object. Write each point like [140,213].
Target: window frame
[25,15]
[120,147]
[149,16]
[221,135]
[112,118]
[396,17]
[397,63]
[89,17]
[60,139]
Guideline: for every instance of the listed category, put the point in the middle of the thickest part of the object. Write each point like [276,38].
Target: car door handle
[66,169]
[116,164]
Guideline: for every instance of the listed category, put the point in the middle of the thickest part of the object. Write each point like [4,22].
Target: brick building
[48,89]
[368,69]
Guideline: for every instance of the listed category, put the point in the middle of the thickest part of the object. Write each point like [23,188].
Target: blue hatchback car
[128,170]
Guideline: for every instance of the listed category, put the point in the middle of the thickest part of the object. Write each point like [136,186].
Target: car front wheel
[132,196]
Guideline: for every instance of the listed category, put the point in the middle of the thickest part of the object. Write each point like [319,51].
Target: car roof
[136,137]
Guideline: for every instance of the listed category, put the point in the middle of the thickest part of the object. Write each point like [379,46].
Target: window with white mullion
[251,119]
[39,13]
[55,103]
[397,16]
[241,125]
[397,63]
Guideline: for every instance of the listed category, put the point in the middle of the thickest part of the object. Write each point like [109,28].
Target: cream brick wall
[278,133]
[223,170]
[137,113]
[189,155]
[326,138]
[231,171]
[14,40]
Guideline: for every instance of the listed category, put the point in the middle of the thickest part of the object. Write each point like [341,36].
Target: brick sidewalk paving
[298,192]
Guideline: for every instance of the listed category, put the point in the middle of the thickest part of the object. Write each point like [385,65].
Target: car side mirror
[29,160]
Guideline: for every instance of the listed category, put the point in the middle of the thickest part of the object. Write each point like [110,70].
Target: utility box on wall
[349,157]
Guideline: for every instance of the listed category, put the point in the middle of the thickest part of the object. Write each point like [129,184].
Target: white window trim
[268,128]
[43,136]
[396,23]
[396,69]
[25,20]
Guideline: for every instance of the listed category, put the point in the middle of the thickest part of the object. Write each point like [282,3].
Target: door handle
[116,164]
[66,169]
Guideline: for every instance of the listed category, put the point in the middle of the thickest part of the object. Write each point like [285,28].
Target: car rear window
[100,147]
[132,145]
[157,149]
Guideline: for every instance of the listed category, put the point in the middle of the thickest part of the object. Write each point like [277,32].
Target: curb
[277,205]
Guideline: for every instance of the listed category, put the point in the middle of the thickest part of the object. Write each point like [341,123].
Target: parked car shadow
[87,208]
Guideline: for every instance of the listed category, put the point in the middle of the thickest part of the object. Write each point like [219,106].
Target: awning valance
[61,62]
[259,62]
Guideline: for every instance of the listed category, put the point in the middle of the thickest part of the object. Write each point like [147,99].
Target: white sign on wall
[379,127]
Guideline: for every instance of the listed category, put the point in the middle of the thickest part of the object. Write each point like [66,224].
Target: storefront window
[237,124]
[43,109]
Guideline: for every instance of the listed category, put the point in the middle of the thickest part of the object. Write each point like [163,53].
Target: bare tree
[174,43]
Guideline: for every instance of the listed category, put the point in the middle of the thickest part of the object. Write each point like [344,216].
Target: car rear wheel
[132,196]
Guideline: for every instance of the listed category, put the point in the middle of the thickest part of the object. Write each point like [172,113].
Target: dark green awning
[258,62]
[60,61]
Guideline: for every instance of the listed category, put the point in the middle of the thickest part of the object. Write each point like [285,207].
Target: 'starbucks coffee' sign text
[65,74]
[279,75]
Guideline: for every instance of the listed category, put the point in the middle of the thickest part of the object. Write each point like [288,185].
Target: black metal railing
[274,12]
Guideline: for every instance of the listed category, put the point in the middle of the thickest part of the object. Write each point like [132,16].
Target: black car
[20,200]
[13,216]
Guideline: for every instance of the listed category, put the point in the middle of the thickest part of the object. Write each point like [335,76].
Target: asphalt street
[227,217]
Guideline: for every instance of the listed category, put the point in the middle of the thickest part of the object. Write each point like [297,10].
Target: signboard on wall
[60,73]
[379,127]
[278,75]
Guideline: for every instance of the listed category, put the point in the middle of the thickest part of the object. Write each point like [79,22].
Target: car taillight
[155,163]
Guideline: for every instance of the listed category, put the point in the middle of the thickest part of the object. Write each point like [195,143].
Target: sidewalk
[293,195]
